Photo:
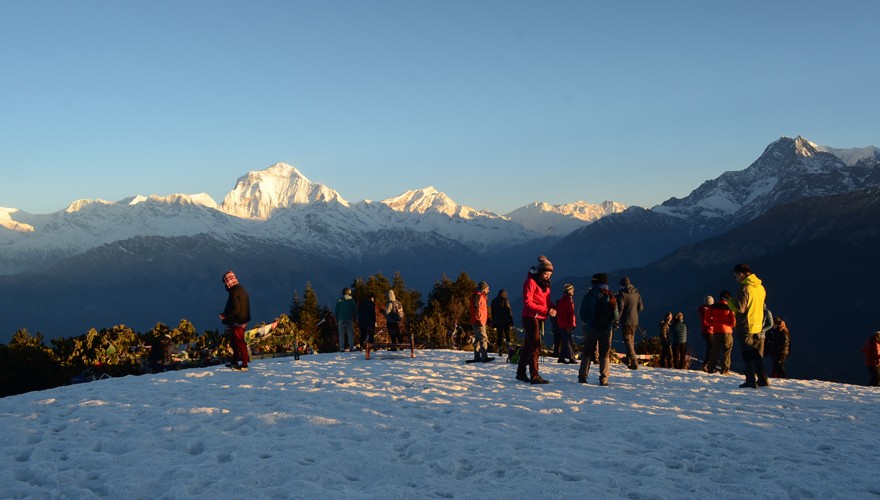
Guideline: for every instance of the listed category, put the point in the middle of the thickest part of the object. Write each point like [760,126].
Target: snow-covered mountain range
[279,205]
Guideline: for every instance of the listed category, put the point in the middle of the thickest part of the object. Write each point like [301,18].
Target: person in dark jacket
[235,317]
[678,334]
[345,313]
[161,351]
[366,318]
[502,320]
[871,349]
[598,327]
[629,303]
[665,345]
[777,345]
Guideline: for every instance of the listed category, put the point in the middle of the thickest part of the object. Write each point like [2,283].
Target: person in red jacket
[566,322]
[872,358]
[723,321]
[706,328]
[537,307]
[479,317]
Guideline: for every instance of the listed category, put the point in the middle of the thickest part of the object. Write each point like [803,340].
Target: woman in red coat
[537,306]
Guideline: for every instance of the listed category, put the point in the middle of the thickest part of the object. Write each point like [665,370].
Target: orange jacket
[479,309]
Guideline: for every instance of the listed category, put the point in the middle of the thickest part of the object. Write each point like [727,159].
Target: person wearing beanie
[394,316]
[345,313]
[598,313]
[629,302]
[235,317]
[502,320]
[723,323]
[537,307]
[703,312]
[479,318]
[566,322]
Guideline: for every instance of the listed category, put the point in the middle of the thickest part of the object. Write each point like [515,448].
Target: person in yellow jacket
[749,310]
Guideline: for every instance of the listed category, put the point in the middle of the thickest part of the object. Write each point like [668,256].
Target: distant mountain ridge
[147,259]
[789,169]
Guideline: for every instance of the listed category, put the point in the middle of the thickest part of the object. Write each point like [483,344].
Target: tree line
[28,364]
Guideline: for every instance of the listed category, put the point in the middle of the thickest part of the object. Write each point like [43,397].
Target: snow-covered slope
[337,426]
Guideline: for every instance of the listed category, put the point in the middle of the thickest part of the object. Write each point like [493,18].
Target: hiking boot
[539,380]
[240,368]
[487,359]
[748,384]
[603,383]
[582,380]
[560,360]
[522,378]
[763,382]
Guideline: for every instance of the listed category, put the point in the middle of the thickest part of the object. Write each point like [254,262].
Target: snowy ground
[338,426]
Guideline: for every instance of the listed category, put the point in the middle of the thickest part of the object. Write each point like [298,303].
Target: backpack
[396,313]
[604,314]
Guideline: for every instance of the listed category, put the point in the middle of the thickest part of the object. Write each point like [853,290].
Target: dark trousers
[665,354]
[239,346]
[874,376]
[707,338]
[629,340]
[778,370]
[368,334]
[722,344]
[566,347]
[394,333]
[753,357]
[531,348]
[503,337]
[600,341]
[679,356]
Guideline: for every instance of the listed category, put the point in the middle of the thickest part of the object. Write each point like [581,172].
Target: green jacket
[346,309]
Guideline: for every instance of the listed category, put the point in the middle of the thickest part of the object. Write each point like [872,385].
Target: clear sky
[496,103]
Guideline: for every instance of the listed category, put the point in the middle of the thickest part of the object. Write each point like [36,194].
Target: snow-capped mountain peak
[559,220]
[425,200]
[261,192]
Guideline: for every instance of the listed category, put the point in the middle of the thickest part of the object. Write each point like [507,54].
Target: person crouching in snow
[235,317]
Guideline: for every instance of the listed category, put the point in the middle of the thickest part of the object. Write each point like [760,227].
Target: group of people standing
[363,312]
[601,311]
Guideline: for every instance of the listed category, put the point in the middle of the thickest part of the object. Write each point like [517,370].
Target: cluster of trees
[28,364]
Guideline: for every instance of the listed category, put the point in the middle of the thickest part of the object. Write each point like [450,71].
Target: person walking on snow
[629,302]
[235,317]
[537,307]
[479,318]
[599,313]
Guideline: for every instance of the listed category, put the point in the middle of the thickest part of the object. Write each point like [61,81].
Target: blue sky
[496,103]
